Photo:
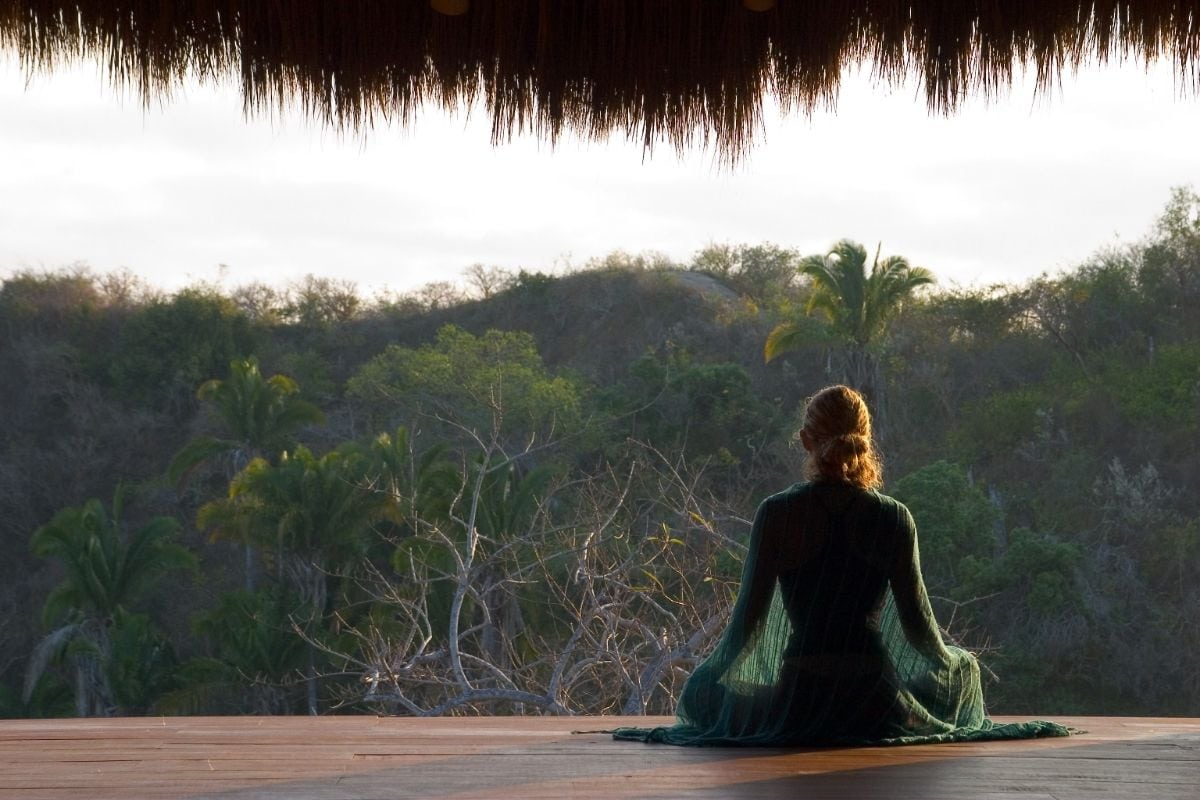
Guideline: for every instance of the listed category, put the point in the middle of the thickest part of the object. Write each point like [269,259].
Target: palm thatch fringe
[683,71]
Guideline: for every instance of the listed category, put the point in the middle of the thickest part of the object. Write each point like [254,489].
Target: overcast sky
[997,193]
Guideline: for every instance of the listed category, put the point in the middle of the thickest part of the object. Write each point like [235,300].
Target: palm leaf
[783,338]
[48,650]
[61,600]
[193,454]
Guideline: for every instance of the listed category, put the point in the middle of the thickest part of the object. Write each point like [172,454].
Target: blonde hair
[838,425]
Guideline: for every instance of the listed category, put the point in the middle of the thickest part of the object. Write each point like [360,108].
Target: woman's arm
[908,589]
[758,575]
[758,580]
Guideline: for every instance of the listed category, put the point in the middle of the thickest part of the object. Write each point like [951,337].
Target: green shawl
[833,640]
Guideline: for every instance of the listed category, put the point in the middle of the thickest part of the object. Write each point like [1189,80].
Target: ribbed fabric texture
[833,640]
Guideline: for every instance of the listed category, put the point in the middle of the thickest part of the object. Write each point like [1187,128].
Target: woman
[832,639]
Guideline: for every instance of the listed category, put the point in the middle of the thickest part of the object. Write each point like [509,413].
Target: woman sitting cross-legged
[832,639]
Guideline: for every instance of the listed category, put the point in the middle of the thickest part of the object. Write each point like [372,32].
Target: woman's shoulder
[895,509]
[841,496]
[792,496]
[791,492]
[887,500]
[888,503]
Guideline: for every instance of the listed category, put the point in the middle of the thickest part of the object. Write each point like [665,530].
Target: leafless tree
[588,593]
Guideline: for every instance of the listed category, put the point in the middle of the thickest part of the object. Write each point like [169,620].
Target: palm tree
[418,484]
[858,305]
[106,572]
[256,656]
[312,515]
[260,415]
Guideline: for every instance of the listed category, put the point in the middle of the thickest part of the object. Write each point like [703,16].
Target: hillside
[610,432]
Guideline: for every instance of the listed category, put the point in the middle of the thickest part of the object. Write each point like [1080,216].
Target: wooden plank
[248,758]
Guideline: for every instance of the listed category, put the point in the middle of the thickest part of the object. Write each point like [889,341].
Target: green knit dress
[832,639]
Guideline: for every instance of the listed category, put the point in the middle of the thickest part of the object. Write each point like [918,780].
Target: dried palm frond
[681,71]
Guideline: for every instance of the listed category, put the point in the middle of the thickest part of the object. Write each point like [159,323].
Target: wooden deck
[525,757]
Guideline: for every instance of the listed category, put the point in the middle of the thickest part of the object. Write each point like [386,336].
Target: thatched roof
[678,70]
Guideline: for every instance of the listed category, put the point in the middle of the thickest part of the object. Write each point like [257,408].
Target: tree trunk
[251,567]
[311,681]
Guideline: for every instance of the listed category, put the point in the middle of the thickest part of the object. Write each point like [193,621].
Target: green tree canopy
[168,347]
[493,381]
[955,520]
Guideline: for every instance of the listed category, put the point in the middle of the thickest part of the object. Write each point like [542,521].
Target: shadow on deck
[305,758]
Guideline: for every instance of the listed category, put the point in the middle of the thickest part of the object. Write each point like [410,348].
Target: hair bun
[853,441]
[838,426]
[843,448]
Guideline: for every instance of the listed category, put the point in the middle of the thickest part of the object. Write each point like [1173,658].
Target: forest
[531,493]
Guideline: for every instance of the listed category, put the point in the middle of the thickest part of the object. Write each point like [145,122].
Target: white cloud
[998,192]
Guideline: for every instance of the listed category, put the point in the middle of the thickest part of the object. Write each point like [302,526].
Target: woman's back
[833,556]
